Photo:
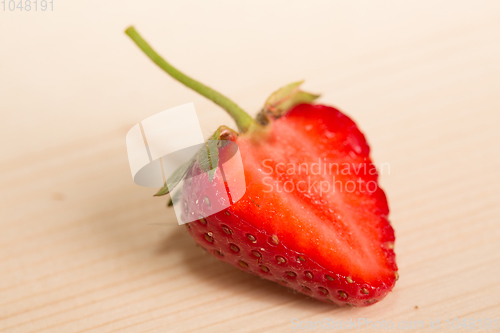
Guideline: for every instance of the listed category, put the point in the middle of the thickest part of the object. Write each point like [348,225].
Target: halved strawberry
[313,217]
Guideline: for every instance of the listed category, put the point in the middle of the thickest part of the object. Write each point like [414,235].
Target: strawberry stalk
[242,119]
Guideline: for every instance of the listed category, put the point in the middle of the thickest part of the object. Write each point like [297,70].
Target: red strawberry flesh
[336,244]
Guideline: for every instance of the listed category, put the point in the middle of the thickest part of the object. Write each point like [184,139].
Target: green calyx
[285,98]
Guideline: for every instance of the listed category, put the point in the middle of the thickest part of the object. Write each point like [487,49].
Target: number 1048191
[27,5]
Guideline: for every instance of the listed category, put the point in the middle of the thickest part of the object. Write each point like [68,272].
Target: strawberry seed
[226,229]
[252,238]
[202,220]
[280,260]
[275,240]
[208,237]
[234,247]
[324,291]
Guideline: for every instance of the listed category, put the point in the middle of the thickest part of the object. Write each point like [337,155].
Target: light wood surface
[82,248]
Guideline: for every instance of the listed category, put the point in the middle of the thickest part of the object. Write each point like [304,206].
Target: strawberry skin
[334,245]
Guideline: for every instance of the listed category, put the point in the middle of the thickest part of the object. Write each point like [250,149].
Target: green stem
[242,119]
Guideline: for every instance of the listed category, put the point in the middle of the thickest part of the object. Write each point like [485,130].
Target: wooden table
[82,248]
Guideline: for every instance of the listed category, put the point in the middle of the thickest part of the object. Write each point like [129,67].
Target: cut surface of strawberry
[333,244]
[312,217]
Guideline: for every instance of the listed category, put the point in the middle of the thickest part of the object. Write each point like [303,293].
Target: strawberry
[312,217]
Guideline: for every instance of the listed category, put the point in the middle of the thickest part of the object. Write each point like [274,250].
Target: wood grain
[82,248]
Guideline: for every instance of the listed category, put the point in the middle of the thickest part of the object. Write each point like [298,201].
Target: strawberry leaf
[175,178]
[208,158]
[163,191]
[174,197]
[287,97]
